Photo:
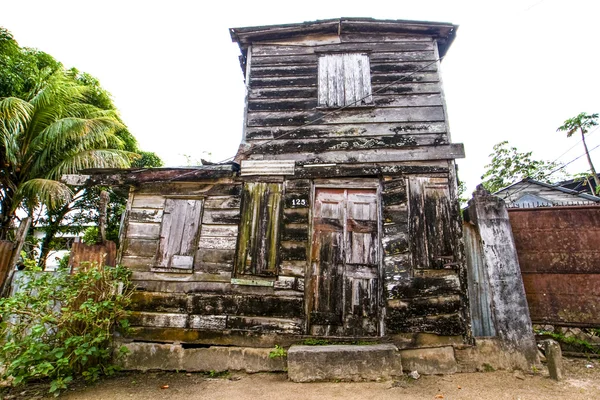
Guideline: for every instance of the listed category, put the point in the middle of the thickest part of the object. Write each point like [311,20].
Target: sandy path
[581,383]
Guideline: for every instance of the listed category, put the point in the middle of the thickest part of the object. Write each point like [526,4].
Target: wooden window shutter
[258,239]
[344,80]
[179,234]
[431,223]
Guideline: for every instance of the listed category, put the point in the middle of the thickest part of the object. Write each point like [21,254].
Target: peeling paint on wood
[208,322]
[155,319]
[344,263]
[259,229]
[389,250]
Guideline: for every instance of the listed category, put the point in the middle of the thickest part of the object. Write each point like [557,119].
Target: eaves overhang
[443,32]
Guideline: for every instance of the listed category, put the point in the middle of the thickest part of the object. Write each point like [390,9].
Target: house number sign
[299,202]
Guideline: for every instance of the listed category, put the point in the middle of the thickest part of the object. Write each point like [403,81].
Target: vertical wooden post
[20,239]
[102,218]
[20,236]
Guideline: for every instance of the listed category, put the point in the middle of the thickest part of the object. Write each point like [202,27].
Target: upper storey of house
[345,90]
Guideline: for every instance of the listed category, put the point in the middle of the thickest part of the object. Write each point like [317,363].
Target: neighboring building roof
[443,32]
[531,193]
[580,185]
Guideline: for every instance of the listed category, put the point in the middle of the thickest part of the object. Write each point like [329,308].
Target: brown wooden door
[343,298]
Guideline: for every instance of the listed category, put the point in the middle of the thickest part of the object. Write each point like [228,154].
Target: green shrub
[90,236]
[59,326]
[279,352]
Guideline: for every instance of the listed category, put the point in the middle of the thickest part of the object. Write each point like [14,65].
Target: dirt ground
[582,382]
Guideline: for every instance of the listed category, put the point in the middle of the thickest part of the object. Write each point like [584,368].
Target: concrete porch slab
[172,357]
[343,362]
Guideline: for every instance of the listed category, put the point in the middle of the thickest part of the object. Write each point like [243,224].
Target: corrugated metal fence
[6,253]
[559,255]
[84,254]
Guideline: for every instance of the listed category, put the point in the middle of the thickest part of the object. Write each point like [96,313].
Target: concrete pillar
[502,274]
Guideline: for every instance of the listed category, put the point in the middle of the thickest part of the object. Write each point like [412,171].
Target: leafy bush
[59,326]
[279,352]
[90,236]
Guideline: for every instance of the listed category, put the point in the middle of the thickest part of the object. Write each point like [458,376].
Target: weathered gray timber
[387,77]
[494,246]
[338,220]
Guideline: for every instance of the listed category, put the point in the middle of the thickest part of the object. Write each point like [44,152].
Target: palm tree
[582,123]
[52,131]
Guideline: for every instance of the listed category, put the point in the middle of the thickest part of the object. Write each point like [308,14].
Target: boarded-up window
[344,80]
[259,229]
[431,219]
[179,234]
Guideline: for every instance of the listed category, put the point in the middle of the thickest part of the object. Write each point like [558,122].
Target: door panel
[345,263]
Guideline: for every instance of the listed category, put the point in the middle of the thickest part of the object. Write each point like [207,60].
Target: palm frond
[98,158]
[15,114]
[70,132]
[85,110]
[49,192]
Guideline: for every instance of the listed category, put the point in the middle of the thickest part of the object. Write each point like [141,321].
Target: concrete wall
[501,283]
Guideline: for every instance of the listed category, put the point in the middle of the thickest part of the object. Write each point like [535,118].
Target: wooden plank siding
[420,297]
[215,230]
[407,99]
[374,255]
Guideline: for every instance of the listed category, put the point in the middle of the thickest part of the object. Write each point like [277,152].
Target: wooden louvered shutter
[258,239]
[432,236]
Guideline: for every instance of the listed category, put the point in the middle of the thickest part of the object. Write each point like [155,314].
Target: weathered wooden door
[179,234]
[343,298]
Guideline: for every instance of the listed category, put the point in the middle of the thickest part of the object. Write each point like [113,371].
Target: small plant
[216,374]
[488,368]
[59,326]
[579,344]
[278,352]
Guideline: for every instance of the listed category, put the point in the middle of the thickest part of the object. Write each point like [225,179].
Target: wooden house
[529,193]
[339,217]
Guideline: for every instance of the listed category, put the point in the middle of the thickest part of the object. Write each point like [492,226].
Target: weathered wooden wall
[422,257]
[202,304]
[399,143]
[407,109]
[559,254]
[422,291]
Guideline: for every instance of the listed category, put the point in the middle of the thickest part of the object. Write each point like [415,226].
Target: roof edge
[444,32]
[551,186]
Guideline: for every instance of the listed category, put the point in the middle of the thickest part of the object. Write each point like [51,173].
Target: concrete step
[343,362]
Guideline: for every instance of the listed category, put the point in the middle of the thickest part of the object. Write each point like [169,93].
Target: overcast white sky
[515,72]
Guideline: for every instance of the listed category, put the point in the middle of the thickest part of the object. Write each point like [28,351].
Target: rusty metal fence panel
[559,255]
[6,252]
[84,254]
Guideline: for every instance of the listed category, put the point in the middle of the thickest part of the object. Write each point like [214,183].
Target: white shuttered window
[344,80]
